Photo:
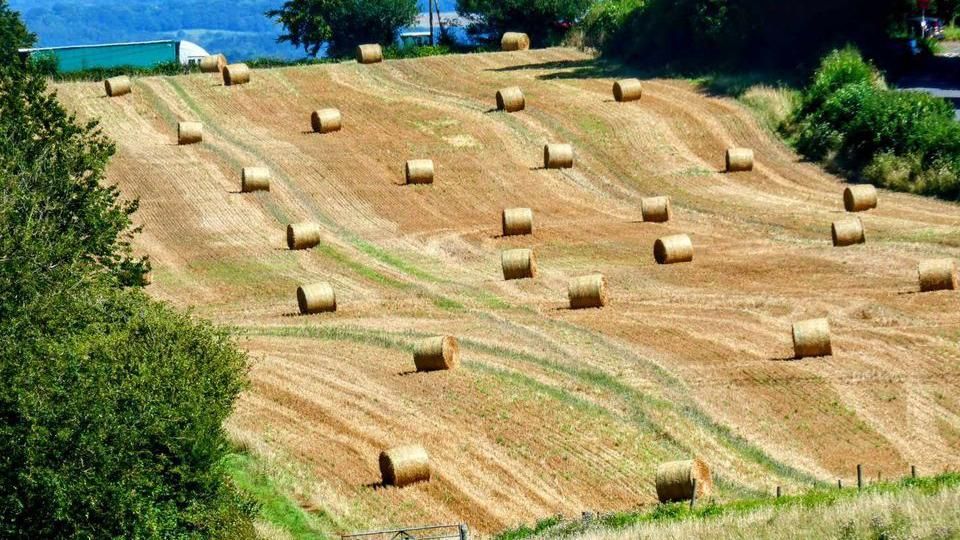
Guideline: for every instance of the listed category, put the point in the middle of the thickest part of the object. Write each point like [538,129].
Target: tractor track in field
[553,410]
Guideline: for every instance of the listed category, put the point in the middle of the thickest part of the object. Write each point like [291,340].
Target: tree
[13,34]
[112,404]
[545,21]
[342,24]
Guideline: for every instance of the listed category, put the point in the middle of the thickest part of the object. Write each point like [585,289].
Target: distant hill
[237,28]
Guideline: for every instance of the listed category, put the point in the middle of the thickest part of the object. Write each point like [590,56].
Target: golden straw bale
[627,90]
[672,249]
[517,221]
[655,209]
[518,264]
[557,156]
[254,179]
[811,338]
[937,275]
[587,291]
[860,198]
[511,99]
[404,465]
[370,53]
[437,353]
[189,133]
[235,74]
[213,63]
[739,159]
[117,86]
[326,120]
[419,171]
[316,298]
[847,232]
[514,41]
[675,480]
[303,235]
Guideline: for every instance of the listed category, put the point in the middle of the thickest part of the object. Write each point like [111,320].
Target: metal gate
[430,532]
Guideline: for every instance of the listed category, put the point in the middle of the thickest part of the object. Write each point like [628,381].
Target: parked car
[925,28]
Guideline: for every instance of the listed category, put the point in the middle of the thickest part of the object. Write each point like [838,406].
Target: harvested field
[552,410]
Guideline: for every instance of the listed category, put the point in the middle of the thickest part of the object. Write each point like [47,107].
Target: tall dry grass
[904,514]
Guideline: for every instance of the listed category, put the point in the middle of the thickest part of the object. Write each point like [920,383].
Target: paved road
[940,77]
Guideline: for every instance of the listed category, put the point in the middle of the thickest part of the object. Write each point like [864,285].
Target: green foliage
[606,18]
[43,65]
[736,33]
[342,24]
[901,140]
[545,21]
[13,35]
[111,404]
[112,408]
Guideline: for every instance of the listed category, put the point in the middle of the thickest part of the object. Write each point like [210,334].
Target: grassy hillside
[553,410]
[921,508]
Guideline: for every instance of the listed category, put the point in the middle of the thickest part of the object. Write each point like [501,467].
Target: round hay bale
[518,264]
[316,298]
[627,90]
[860,198]
[370,53]
[672,249]
[655,209]
[587,291]
[213,63]
[117,86]
[404,465]
[419,171]
[517,221]
[254,179]
[437,353]
[847,232]
[511,99]
[937,275]
[811,338]
[303,235]
[514,41]
[675,480]
[235,74]
[189,133]
[739,159]
[558,156]
[326,120]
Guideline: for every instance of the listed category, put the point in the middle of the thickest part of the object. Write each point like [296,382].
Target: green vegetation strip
[555,527]
[275,507]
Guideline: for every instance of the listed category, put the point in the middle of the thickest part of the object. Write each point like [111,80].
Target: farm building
[144,54]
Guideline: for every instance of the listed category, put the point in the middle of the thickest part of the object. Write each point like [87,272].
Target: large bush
[545,21]
[738,33]
[903,140]
[343,24]
[111,404]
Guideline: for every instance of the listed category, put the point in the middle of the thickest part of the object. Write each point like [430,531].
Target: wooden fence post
[839,483]
[464,532]
[693,498]
[913,471]
[778,492]
[859,477]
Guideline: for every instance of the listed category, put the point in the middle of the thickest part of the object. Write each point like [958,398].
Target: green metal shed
[80,57]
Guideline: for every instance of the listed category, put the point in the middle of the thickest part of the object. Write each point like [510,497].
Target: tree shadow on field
[713,82]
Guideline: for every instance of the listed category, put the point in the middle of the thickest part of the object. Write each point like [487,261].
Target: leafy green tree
[343,24]
[545,21]
[111,405]
[13,34]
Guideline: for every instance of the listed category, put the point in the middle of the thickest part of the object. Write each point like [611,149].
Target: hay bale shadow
[407,373]
[292,314]
[375,486]
[493,110]
[790,358]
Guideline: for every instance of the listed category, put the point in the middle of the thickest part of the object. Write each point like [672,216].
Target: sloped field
[553,410]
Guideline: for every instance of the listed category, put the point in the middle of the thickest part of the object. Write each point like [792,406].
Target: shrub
[605,19]
[112,408]
[902,140]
